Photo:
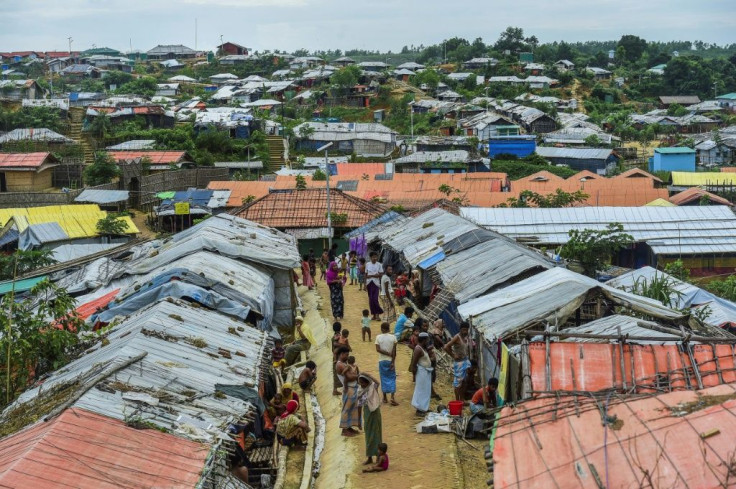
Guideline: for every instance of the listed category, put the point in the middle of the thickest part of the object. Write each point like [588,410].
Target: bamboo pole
[623,337]
[9,333]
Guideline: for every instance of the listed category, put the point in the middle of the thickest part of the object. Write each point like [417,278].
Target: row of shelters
[575,358]
[181,356]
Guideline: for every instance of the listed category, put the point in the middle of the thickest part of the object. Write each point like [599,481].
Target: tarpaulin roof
[20,285]
[240,282]
[188,351]
[371,228]
[77,221]
[72,251]
[39,234]
[423,235]
[677,440]
[84,450]
[551,296]
[619,325]
[683,294]
[89,308]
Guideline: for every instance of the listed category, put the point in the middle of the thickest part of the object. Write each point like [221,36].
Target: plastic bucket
[455,407]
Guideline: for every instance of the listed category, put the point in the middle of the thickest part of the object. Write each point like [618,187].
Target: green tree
[111,225]
[634,47]
[593,141]
[677,110]
[145,86]
[100,126]
[559,198]
[301,182]
[103,170]
[593,248]
[678,270]
[38,335]
[346,78]
[22,262]
[511,39]
[319,176]
[428,77]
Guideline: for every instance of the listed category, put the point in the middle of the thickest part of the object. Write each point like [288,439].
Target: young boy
[308,376]
[343,340]
[361,274]
[353,264]
[277,354]
[366,324]
[381,460]
[351,362]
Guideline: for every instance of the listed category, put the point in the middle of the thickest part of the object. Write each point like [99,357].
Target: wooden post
[526,380]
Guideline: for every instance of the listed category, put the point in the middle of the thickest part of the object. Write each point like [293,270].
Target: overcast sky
[44,25]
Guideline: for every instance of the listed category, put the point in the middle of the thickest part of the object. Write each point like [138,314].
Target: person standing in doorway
[373,274]
[459,348]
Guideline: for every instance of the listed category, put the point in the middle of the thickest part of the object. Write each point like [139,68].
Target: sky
[45,25]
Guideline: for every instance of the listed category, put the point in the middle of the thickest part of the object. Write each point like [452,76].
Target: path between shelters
[417,461]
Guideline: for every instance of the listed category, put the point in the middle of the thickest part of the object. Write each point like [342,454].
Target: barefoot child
[361,273]
[381,460]
[351,363]
[366,324]
[343,340]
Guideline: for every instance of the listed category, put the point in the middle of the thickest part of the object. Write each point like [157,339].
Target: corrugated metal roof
[696,179]
[551,296]
[456,156]
[102,196]
[85,450]
[372,228]
[619,325]
[476,270]
[156,157]
[219,199]
[133,145]
[574,153]
[77,221]
[34,134]
[25,160]
[676,150]
[668,230]
[189,350]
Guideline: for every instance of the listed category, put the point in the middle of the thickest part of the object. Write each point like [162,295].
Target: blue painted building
[672,159]
[519,146]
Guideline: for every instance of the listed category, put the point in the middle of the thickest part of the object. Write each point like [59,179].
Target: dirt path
[417,461]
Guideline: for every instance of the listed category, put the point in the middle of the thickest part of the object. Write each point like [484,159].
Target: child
[366,324]
[361,273]
[337,328]
[351,362]
[381,460]
[277,354]
[308,376]
[353,263]
[343,340]
[400,292]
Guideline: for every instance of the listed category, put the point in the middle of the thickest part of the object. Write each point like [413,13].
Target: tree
[144,85]
[428,77]
[677,110]
[22,262]
[103,170]
[346,78]
[512,39]
[725,288]
[111,225]
[100,126]
[301,182]
[593,248]
[38,334]
[558,199]
[319,176]
[634,47]
[678,270]
[593,141]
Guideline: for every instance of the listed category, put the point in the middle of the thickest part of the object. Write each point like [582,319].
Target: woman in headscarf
[307,280]
[370,399]
[290,428]
[335,282]
[348,375]
[301,341]
[373,274]
[421,366]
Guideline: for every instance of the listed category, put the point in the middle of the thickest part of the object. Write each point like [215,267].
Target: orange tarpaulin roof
[85,450]
[91,307]
[677,440]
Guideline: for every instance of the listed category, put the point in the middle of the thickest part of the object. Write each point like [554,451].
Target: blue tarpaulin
[432,260]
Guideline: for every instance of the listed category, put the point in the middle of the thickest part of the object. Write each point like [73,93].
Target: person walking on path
[459,348]
[337,300]
[373,273]
[372,423]
[348,375]
[324,261]
[421,366]
[386,348]
[336,384]
[307,278]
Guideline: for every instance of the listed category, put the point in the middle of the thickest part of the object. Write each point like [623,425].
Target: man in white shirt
[386,348]
[373,274]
